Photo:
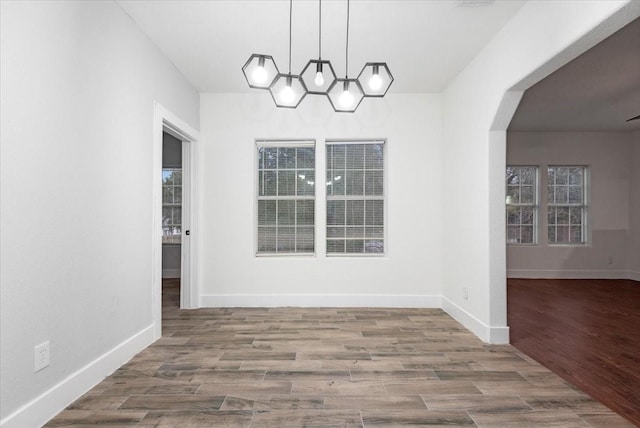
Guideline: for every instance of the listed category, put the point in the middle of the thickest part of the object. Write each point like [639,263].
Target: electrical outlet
[465,293]
[40,357]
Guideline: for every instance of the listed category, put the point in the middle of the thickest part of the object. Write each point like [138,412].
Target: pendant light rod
[346,54]
[320,29]
[318,75]
[290,25]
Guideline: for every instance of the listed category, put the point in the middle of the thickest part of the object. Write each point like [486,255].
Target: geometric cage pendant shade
[345,95]
[318,76]
[287,90]
[260,71]
[375,79]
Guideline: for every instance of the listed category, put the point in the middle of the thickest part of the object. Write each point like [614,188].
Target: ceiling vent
[474,3]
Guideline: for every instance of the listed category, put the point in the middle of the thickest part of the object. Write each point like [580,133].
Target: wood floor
[587,331]
[292,367]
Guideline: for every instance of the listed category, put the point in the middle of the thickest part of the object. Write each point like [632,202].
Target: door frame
[165,121]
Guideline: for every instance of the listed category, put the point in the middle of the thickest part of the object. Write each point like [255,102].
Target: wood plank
[586,331]
[275,367]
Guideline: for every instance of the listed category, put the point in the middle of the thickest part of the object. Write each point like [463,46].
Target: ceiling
[425,43]
[597,91]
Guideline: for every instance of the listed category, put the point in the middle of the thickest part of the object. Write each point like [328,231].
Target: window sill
[277,255]
[578,244]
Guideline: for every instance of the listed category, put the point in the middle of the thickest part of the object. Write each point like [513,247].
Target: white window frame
[280,143]
[365,198]
[535,205]
[172,238]
[583,206]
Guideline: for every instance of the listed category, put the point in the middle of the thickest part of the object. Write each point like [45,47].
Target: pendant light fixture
[345,95]
[288,90]
[318,74]
[317,77]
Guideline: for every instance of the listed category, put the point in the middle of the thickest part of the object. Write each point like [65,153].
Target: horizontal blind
[286,197]
[355,197]
[285,143]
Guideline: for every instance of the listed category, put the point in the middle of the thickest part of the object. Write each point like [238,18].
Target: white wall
[608,157]
[409,274]
[634,208]
[542,37]
[78,81]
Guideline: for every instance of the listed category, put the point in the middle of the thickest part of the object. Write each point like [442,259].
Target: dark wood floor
[329,367]
[586,331]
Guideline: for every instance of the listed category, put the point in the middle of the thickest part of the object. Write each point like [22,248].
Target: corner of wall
[45,406]
[495,335]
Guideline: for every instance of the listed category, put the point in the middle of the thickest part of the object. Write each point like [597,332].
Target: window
[286,197]
[355,197]
[522,204]
[566,204]
[171,205]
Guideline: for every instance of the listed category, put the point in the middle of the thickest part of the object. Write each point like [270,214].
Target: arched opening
[497,154]
[574,119]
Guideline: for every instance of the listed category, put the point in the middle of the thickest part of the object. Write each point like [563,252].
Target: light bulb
[260,75]
[319,80]
[375,83]
[346,99]
[287,95]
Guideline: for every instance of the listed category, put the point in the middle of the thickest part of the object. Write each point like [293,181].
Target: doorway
[174,219]
[172,224]
[171,206]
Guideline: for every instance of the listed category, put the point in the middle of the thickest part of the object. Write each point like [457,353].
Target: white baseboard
[494,335]
[171,273]
[567,274]
[488,334]
[48,404]
[319,300]
[634,276]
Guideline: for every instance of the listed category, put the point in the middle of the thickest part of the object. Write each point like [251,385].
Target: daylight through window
[171,205]
[286,197]
[522,204]
[355,197]
[566,204]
